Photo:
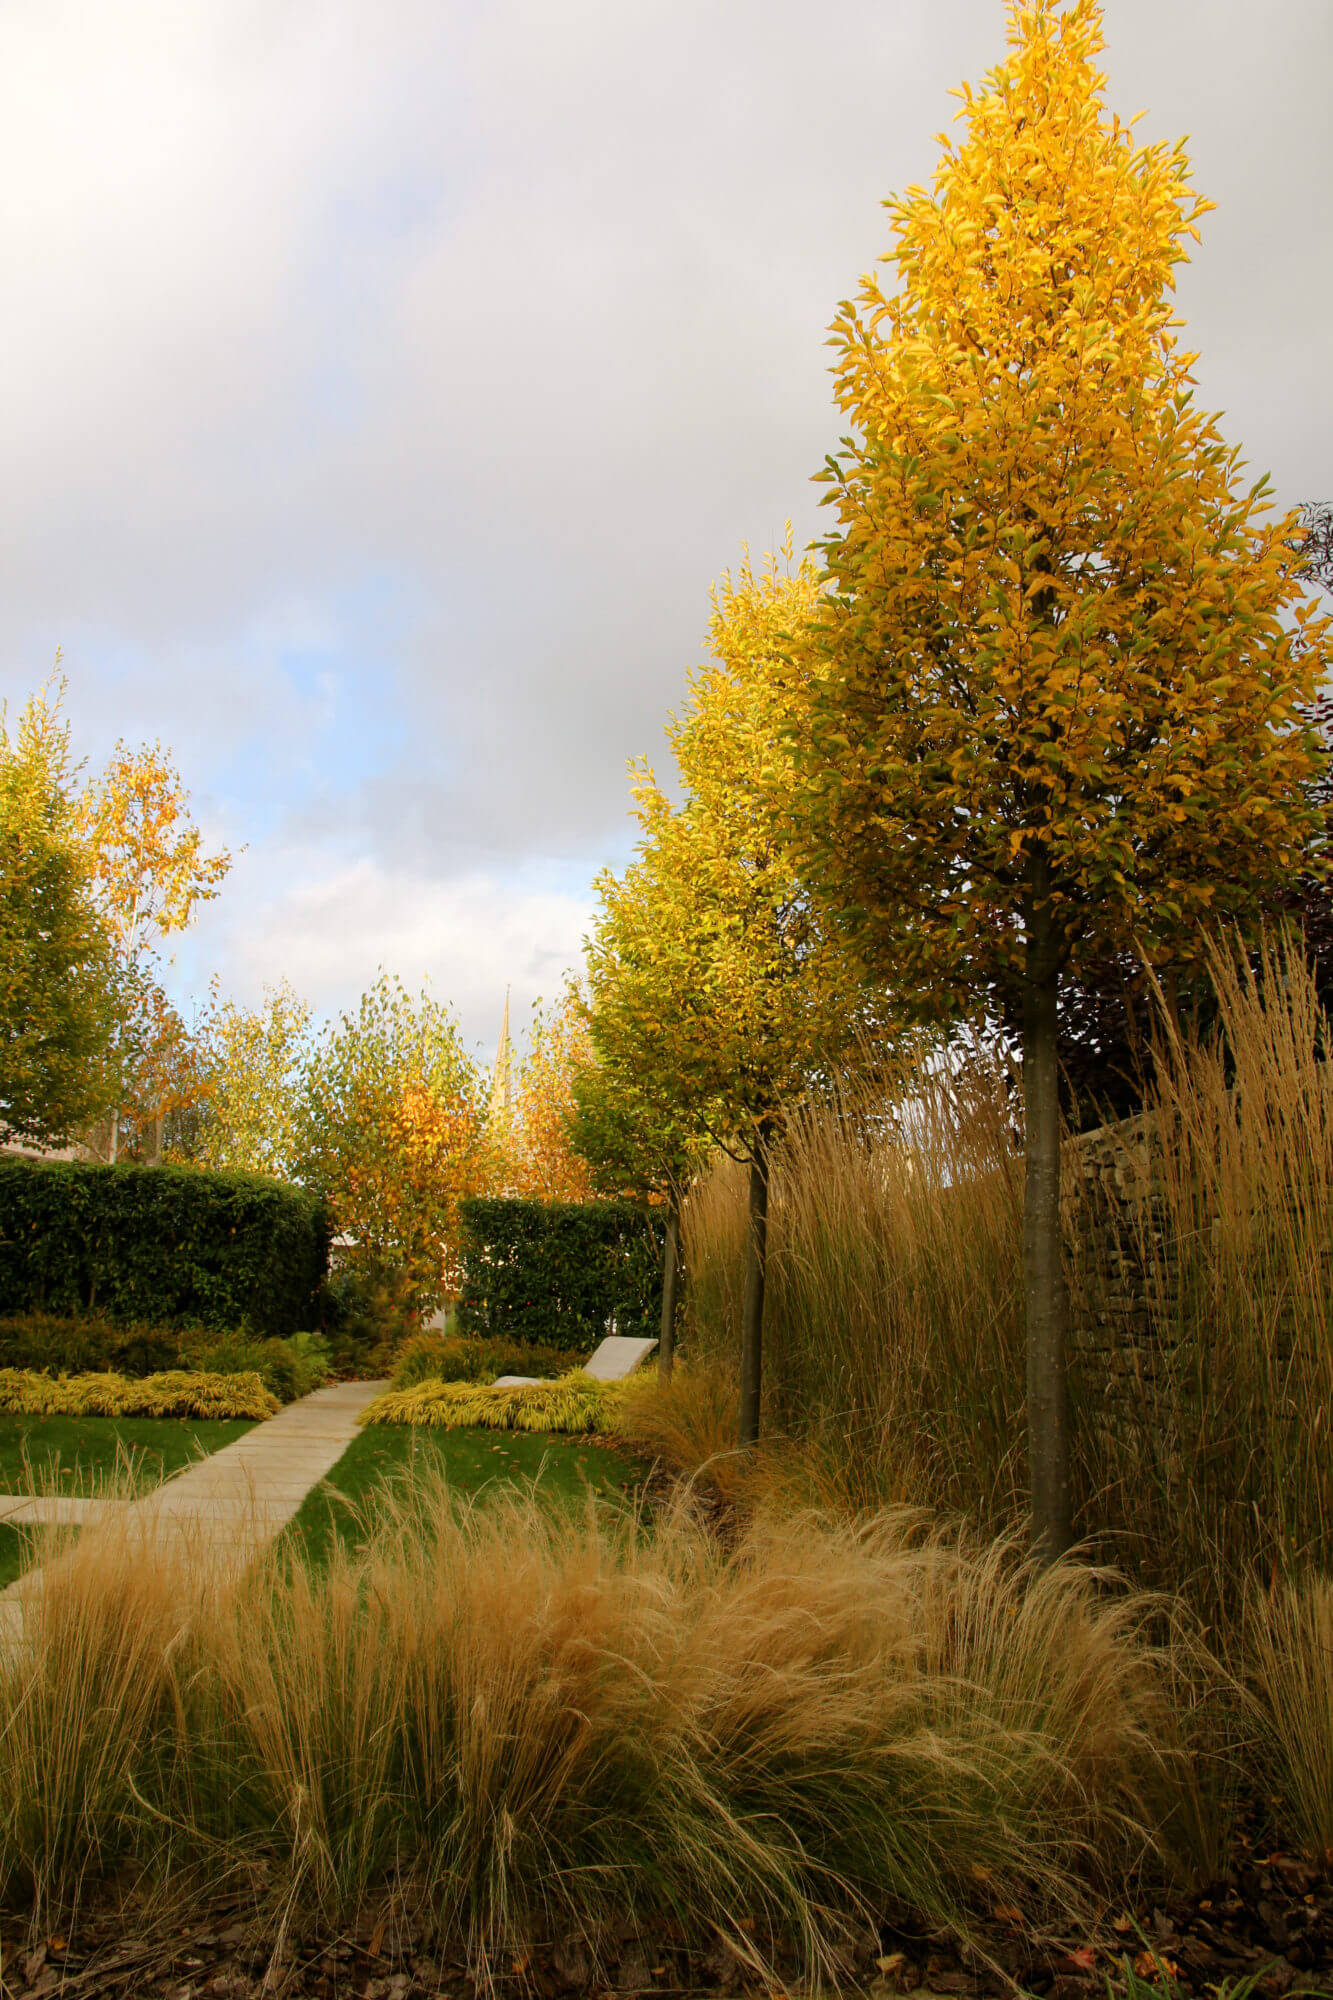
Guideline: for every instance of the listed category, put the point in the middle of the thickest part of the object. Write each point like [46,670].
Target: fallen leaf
[892,1962]
[1146,1964]
[1005,1913]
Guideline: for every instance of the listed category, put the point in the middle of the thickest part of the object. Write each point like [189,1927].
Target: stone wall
[1122,1266]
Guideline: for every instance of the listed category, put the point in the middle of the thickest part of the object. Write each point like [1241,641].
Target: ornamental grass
[524,1724]
[575,1405]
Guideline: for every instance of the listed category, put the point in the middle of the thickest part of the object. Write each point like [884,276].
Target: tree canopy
[55,952]
[1066,657]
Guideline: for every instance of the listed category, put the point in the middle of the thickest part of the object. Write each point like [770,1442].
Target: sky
[389,380]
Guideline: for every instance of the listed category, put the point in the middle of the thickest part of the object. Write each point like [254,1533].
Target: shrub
[523,1722]
[166,1246]
[367,1313]
[439,1357]
[558,1274]
[289,1369]
[177,1393]
[575,1404]
[75,1344]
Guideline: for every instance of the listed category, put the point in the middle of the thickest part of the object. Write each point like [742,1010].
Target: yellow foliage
[1065,661]
[712,975]
[391,1131]
[174,1393]
[535,1157]
[574,1403]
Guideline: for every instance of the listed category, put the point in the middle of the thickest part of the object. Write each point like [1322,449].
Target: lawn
[563,1468]
[75,1454]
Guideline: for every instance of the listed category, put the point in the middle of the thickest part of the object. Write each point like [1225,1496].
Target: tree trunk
[666,1347]
[113,1140]
[752,1315]
[1043,1272]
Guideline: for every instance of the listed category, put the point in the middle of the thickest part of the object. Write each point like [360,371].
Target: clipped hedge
[557,1274]
[24,1393]
[165,1246]
[576,1404]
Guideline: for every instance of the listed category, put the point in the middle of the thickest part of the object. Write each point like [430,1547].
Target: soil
[1270,1921]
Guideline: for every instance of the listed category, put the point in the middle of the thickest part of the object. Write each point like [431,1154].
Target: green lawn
[70,1454]
[75,1454]
[471,1461]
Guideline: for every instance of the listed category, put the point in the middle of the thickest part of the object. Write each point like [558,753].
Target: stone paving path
[225,1508]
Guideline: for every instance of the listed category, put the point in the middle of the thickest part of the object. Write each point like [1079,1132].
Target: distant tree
[710,972]
[151,874]
[249,1077]
[390,1128]
[55,954]
[535,1154]
[1067,664]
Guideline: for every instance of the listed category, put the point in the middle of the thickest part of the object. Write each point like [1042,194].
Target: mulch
[1270,1919]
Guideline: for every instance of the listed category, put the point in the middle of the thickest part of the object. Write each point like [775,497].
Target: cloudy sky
[389,378]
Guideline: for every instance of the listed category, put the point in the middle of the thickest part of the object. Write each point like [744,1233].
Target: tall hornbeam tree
[1066,655]
[710,971]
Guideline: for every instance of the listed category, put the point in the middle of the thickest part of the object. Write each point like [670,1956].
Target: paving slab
[221,1511]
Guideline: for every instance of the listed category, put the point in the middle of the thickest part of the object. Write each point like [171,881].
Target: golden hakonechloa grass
[574,1404]
[1067,656]
[176,1392]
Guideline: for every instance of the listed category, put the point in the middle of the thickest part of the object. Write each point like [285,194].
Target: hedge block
[559,1273]
[164,1246]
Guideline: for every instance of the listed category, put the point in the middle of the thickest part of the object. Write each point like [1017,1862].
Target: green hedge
[558,1273]
[164,1246]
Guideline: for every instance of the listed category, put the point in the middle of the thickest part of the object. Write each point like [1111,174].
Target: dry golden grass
[893,1332]
[1288,1692]
[527,1724]
[1225,1474]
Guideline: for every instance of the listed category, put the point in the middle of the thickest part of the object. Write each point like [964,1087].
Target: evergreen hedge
[163,1246]
[559,1273]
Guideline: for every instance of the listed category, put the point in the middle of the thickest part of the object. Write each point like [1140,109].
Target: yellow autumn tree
[151,873]
[536,1157]
[56,962]
[710,971]
[251,1065]
[1065,659]
[390,1129]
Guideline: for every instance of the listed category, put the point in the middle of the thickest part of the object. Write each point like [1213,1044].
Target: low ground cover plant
[289,1369]
[575,1405]
[444,1357]
[174,1393]
[76,1343]
[525,1722]
[80,1344]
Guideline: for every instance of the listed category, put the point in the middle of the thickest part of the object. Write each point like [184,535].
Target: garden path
[221,1511]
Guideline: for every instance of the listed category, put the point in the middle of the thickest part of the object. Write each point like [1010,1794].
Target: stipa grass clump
[175,1393]
[525,1724]
[575,1405]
